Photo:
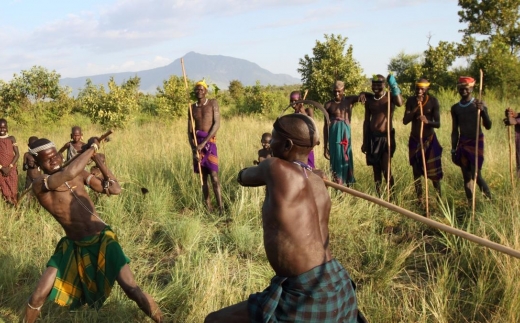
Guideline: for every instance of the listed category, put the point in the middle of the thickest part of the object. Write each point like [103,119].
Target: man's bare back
[295,217]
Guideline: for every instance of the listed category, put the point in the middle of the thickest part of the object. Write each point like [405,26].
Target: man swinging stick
[310,285]
[89,258]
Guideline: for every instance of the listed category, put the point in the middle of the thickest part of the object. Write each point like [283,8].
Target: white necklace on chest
[197,104]
[3,137]
[382,96]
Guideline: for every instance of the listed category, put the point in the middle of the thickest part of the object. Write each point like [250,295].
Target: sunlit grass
[194,262]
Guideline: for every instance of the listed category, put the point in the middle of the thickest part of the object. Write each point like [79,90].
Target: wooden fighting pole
[388,138]
[305,94]
[476,148]
[427,221]
[424,161]
[100,139]
[192,121]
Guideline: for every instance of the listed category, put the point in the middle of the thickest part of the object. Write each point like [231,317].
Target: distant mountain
[217,69]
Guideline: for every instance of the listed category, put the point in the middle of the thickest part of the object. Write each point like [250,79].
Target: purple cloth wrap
[208,154]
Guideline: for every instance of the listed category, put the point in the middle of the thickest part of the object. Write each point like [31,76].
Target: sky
[82,38]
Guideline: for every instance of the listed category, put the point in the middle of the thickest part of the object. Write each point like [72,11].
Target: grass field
[193,262]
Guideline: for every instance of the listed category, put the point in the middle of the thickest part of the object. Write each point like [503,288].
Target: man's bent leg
[483,186]
[126,280]
[216,190]
[237,313]
[36,300]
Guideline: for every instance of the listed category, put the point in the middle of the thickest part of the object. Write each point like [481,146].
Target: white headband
[36,150]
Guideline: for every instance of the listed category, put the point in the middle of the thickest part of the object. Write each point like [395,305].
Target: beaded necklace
[304,166]
[3,137]
[382,96]
[467,104]
[197,104]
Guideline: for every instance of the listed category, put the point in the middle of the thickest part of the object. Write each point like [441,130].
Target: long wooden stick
[476,148]
[511,176]
[388,138]
[427,221]
[424,161]
[305,94]
[192,121]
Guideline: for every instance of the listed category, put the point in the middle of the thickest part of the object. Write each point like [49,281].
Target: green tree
[498,19]
[236,90]
[35,93]
[113,108]
[499,66]
[330,62]
[172,98]
[437,62]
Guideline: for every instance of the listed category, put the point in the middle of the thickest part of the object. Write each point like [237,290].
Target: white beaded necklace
[382,96]
[197,104]
[3,137]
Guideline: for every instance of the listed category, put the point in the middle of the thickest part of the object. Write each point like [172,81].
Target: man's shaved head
[301,129]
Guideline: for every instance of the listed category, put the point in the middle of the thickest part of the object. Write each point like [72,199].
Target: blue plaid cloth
[323,294]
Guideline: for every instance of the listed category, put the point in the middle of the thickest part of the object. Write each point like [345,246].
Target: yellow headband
[422,84]
[203,83]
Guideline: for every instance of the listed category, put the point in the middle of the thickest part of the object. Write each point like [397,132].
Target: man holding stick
[310,285]
[89,258]
[206,116]
[430,119]
[463,136]
[375,128]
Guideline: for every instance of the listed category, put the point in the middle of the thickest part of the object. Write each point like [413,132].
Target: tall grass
[194,262]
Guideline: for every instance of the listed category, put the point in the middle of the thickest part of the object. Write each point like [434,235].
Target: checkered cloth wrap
[465,152]
[324,294]
[432,154]
[87,269]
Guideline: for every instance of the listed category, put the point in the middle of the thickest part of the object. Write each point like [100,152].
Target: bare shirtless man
[430,119]
[206,114]
[338,143]
[375,129]
[88,259]
[463,140]
[310,285]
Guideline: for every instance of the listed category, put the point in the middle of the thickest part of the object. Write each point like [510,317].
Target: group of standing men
[422,111]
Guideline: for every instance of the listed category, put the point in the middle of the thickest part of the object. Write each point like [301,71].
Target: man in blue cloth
[338,140]
[310,285]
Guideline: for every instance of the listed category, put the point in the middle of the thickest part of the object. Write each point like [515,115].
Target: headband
[36,150]
[466,80]
[422,84]
[203,83]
